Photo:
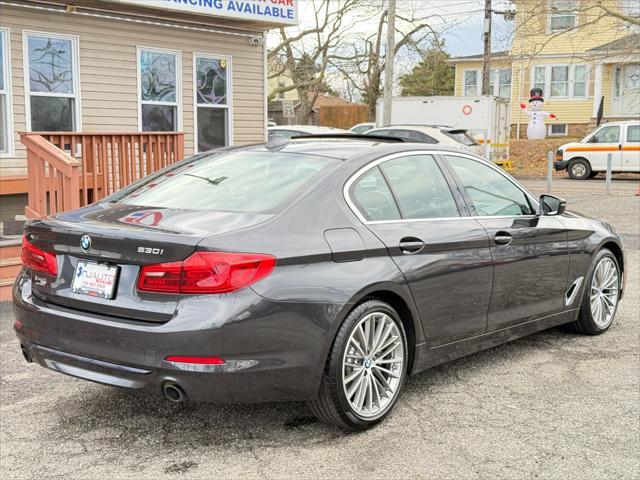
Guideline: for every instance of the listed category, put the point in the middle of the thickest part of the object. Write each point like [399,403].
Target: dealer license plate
[95,279]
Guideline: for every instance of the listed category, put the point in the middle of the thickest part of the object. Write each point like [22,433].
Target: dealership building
[140,83]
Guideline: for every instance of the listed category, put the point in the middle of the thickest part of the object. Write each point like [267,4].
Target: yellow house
[577,52]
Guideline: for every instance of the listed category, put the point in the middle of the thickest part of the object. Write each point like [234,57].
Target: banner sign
[281,12]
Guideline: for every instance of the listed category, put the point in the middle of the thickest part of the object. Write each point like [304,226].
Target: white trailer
[488,119]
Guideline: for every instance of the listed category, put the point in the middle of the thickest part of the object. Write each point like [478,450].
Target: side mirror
[552,205]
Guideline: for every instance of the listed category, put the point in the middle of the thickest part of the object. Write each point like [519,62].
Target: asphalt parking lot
[552,405]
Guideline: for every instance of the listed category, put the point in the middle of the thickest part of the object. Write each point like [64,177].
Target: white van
[588,157]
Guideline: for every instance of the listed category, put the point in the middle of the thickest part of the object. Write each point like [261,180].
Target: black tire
[585,322]
[332,406]
[579,169]
[593,174]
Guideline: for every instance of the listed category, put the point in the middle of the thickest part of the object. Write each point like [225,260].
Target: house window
[579,81]
[561,81]
[6,124]
[159,84]
[52,83]
[558,130]
[471,83]
[539,78]
[212,101]
[500,82]
[631,8]
[563,15]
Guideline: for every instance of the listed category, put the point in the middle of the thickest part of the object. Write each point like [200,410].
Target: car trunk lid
[120,239]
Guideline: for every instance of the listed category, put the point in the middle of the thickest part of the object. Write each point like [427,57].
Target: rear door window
[373,198]
[420,187]
[237,181]
[633,133]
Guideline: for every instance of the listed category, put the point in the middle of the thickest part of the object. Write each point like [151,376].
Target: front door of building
[626,90]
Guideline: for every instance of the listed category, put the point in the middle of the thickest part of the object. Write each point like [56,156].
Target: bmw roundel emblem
[85,242]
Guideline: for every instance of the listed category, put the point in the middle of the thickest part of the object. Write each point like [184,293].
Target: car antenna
[276,143]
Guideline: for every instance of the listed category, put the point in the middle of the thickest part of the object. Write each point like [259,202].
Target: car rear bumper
[271,351]
[560,165]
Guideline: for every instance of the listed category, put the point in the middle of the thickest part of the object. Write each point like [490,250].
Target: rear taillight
[39,260]
[206,272]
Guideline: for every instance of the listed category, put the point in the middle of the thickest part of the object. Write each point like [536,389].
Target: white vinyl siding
[6,112]
[51,81]
[108,68]
[561,81]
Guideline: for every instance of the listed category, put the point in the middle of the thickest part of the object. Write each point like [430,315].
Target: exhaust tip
[25,354]
[173,392]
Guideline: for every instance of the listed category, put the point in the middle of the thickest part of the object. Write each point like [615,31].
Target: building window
[579,81]
[563,15]
[159,96]
[212,101]
[539,78]
[631,8]
[6,116]
[561,81]
[558,130]
[471,83]
[52,83]
[500,82]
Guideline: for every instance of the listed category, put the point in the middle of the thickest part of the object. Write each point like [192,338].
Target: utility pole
[486,57]
[388,66]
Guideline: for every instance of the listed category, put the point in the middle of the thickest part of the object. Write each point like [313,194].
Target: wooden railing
[69,170]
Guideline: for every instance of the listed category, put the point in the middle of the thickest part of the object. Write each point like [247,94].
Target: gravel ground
[552,405]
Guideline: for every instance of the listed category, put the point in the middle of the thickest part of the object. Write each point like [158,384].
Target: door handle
[411,245]
[502,238]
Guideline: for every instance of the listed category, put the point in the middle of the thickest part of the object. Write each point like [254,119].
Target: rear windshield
[241,181]
[460,136]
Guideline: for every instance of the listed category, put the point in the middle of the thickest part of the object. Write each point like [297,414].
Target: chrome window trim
[440,153]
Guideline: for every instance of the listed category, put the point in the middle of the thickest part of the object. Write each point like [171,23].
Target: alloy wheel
[373,365]
[604,292]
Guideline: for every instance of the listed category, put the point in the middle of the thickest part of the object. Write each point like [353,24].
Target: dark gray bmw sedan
[316,269]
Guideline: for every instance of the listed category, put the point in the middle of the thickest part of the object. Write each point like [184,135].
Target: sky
[461,20]
[466,37]
[460,23]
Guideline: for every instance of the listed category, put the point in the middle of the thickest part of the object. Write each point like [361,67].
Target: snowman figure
[536,130]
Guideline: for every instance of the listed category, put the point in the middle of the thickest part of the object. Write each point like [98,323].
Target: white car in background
[434,134]
[361,128]
[288,131]
[588,157]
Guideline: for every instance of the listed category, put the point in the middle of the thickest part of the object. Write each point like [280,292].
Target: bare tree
[303,55]
[361,61]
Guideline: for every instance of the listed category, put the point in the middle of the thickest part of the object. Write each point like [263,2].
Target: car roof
[307,128]
[344,148]
[420,128]
[622,122]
